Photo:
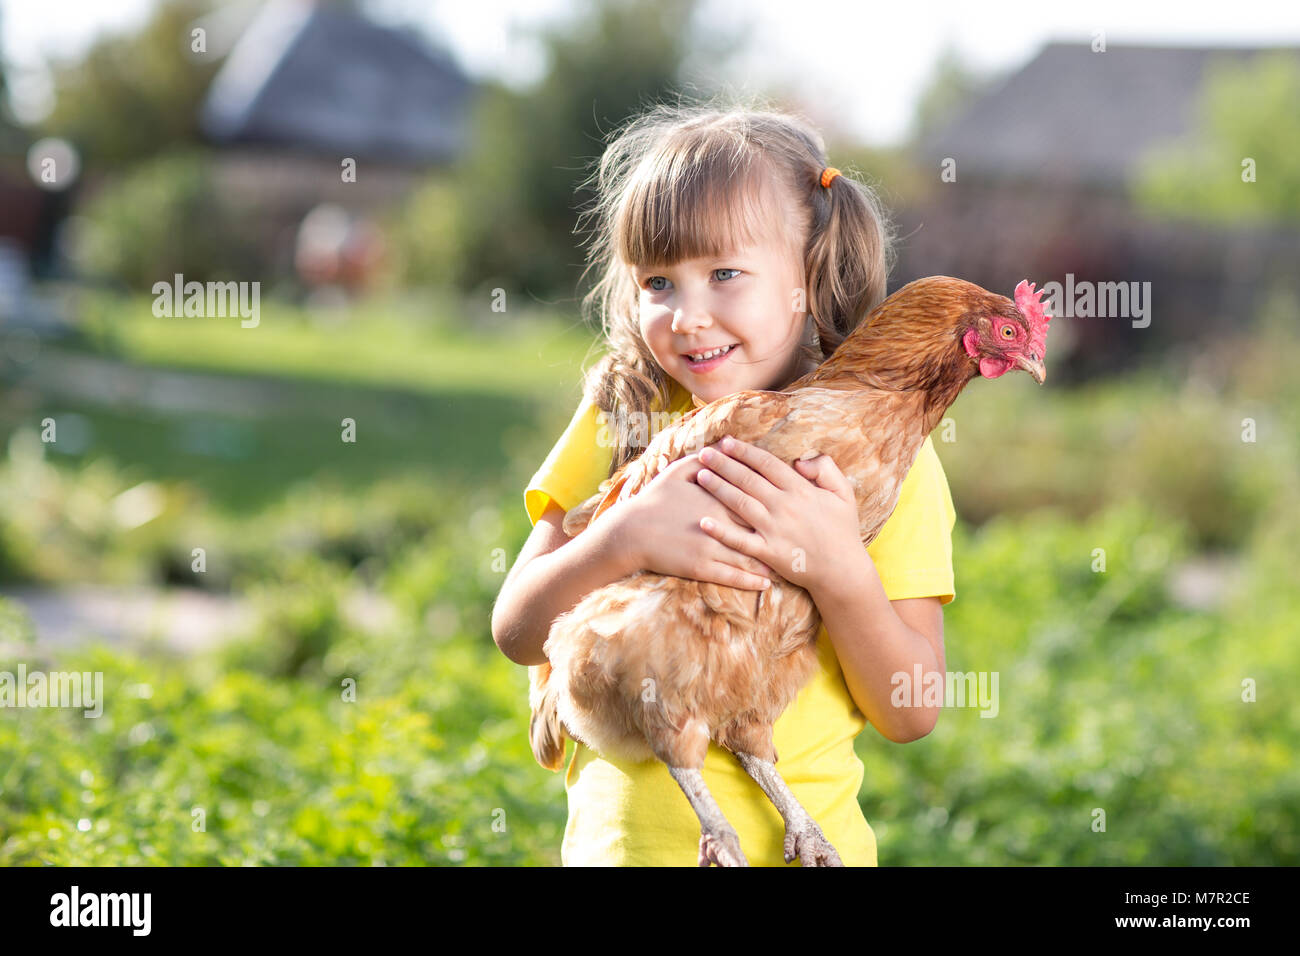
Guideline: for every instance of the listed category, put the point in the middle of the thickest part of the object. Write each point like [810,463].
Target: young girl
[726,228]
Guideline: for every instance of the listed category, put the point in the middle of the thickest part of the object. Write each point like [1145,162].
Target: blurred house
[1043,162]
[316,106]
[23,220]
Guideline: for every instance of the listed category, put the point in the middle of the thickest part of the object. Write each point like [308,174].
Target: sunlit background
[278,532]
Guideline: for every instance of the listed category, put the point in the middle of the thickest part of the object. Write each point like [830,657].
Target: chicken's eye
[1008,332]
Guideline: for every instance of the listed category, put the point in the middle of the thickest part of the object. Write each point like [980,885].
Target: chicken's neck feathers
[939,367]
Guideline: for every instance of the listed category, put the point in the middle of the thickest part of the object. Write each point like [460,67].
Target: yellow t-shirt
[634,814]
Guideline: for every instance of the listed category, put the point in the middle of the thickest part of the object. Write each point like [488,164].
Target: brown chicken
[726,662]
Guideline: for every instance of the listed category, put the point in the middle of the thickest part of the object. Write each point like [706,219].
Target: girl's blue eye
[650,282]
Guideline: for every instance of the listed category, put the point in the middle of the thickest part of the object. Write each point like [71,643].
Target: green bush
[1111,698]
[427,236]
[166,216]
[285,772]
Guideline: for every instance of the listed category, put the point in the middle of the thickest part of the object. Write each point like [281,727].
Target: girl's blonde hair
[678,182]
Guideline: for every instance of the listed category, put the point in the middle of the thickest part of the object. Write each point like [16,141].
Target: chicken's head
[1014,336]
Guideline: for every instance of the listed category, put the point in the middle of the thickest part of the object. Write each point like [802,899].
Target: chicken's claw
[722,848]
[809,844]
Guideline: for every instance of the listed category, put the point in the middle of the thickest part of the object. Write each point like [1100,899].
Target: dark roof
[316,78]
[1072,114]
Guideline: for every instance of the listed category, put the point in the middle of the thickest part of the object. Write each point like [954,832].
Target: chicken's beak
[1033,365]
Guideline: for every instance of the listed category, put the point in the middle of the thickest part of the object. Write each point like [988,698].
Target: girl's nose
[684,324]
[691,315]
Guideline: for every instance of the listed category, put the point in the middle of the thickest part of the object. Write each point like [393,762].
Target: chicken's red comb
[1035,314]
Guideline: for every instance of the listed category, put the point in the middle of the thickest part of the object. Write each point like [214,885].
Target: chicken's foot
[803,837]
[718,840]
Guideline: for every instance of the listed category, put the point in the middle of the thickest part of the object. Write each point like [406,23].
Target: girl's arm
[551,575]
[875,638]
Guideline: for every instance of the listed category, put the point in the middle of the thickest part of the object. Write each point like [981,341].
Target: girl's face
[745,299]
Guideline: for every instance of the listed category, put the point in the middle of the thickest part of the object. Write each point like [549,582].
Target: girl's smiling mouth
[709,363]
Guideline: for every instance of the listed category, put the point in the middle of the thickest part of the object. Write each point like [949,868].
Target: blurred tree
[1247,112]
[891,170]
[951,86]
[516,189]
[12,137]
[131,96]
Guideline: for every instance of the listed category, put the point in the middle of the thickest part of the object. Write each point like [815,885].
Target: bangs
[691,206]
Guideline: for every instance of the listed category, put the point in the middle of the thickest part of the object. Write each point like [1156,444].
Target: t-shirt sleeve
[913,551]
[575,467]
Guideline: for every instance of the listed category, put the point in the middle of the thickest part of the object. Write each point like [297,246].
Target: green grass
[427,398]
[417,348]
[241,464]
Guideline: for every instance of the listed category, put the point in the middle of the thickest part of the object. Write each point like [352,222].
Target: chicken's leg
[803,837]
[718,840]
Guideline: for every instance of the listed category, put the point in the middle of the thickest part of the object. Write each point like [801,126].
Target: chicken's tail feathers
[545,732]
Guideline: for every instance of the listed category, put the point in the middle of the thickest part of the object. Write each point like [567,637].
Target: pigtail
[850,253]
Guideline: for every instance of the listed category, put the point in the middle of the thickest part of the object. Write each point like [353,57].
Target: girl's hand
[660,530]
[801,521]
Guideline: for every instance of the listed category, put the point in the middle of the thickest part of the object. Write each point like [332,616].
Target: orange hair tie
[829,173]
